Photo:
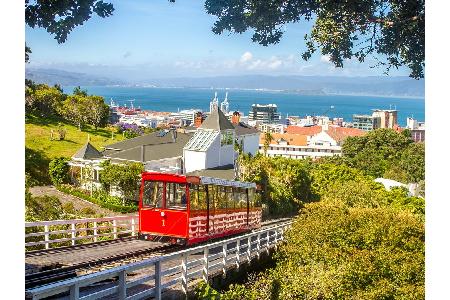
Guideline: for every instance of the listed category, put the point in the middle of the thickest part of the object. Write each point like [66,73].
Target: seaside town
[291,136]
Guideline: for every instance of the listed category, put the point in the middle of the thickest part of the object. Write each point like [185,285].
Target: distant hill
[52,76]
[400,86]
[371,85]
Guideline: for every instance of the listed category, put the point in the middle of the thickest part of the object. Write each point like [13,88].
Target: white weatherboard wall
[322,138]
[194,160]
[250,143]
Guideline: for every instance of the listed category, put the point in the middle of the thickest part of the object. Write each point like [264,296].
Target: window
[212,195]
[197,195]
[176,195]
[226,138]
[152,194]
[223,198]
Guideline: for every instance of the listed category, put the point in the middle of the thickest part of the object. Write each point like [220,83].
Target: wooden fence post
[224,259]
[158,280]
[73,234]
[115,228]
[184,261]
[205,264]
[47,236]
[238,251]
[133,233]
[95,232]
[122,285]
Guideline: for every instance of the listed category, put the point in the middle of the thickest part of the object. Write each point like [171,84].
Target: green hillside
[40,149]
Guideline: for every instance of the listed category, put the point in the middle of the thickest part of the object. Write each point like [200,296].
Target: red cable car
[191,209]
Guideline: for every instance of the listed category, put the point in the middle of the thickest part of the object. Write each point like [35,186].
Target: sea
[289,103]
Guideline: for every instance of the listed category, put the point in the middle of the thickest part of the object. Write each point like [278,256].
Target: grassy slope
[40,149]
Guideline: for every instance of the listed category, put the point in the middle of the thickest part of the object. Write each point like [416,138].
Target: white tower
[224,106]
[214,103]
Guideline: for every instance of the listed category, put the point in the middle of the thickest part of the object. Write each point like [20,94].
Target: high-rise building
[388,117]
[266,114]
[366,122]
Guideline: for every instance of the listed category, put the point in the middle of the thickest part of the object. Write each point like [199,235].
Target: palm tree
[268,138]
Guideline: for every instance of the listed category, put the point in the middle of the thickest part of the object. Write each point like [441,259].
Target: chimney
[235,118]
[198,119]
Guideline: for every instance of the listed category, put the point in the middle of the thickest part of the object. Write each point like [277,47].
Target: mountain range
[398,86]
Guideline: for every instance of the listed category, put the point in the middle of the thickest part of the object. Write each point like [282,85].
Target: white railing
[150,277]
[69,231]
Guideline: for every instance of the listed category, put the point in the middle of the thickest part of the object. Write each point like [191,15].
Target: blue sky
[154,39]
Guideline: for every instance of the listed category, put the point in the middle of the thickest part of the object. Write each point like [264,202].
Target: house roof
[339,134]
[154,138]
[87,152]
[154,149]
[310,130]
[291,139]
[243,129]
[224,172]
[217,121]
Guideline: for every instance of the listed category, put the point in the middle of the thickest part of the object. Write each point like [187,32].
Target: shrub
[336,252]
[58,170]
[87,211]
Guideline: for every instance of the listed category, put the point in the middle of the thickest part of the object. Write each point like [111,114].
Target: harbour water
[174,99]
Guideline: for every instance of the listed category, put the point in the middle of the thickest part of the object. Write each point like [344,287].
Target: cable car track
[59,273]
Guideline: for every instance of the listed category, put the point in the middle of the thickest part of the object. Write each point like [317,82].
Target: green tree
[412,161]
[336,252]
[268,138]
[58,170]
[342,29]
[125,177]
[60,17]
[43,100]
[76,109]
[99,111]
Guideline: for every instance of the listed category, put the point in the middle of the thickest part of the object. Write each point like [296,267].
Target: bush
[58,169]
[107,201]
[87,211]
[336,252]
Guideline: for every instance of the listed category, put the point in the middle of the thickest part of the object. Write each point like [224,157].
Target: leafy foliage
[386,153]
[58,170]
[336,252]
[42,100]
[60,17]
[125,177]
[129,130]
[285,182]
[100,198]
[341,30]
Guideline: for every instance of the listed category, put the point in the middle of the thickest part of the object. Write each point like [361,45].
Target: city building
[187,116]
[366,122]
[272,128]
[267,114]
[305,130]
[314,143]
[387,117]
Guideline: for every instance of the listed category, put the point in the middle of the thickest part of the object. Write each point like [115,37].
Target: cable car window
[212,194]
[242,198]
[229,195]
[176,195]
[152,194]
[197,196]
[222,199]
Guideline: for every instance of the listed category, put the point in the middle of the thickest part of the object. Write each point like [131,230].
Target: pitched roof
[310,130]
[339,134]
[291,139]
[87,152]
[224,172]
[243,129]
[154,138]
[217,121]
[152,151]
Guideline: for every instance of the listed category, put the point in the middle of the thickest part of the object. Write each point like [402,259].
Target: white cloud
[246,57]
[325,58]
